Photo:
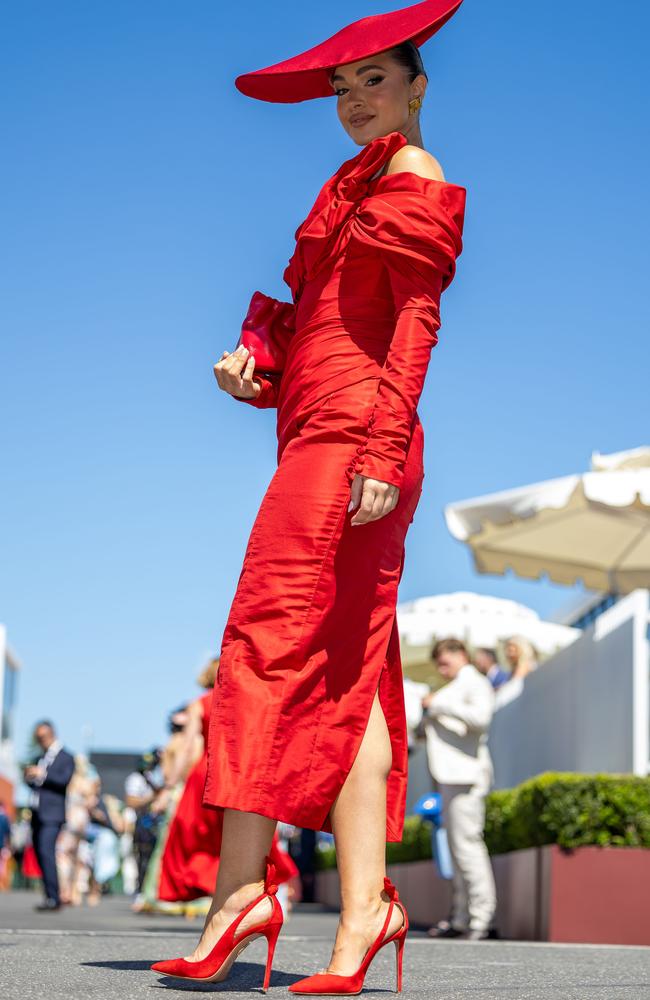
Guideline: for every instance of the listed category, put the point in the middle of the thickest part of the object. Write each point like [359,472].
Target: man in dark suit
[486,661]
[48,777]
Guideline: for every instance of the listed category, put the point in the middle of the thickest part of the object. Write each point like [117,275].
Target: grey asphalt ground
[105,953]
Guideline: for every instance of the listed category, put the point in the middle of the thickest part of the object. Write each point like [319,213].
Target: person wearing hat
[309,724]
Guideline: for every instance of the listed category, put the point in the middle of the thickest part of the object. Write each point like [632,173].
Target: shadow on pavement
[243,976]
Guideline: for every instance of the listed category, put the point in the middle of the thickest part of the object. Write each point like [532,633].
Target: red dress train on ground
[190,860]
[312,631]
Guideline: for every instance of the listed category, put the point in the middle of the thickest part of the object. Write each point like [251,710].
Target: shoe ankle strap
[270,883]
[393,897]
[394,900]
[270,888]
[390,889]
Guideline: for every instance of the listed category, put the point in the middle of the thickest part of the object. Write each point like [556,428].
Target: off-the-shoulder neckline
[412,173]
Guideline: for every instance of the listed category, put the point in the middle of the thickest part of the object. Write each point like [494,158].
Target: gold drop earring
[414,105]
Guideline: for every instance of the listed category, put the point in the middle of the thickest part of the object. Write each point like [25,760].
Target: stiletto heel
[332,984]
[216,966]
[399,951]
[272,934]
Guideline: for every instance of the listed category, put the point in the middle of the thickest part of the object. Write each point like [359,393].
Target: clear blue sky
[144,199]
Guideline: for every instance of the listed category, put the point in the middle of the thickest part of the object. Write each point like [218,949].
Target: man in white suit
[458,718]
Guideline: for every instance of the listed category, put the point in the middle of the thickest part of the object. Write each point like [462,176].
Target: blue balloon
[429,806]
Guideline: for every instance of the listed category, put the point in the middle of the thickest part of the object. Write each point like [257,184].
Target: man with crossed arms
[457,719]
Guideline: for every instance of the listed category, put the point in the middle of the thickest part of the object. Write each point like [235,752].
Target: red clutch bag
[266,331]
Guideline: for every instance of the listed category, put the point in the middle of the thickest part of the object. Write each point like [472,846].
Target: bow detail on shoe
[270,885]
[325,983]
[390,889]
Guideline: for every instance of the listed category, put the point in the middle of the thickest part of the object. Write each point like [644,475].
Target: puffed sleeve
[416,223]
[276,325]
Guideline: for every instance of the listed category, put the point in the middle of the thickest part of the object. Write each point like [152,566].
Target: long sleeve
[417,319]
[416,223]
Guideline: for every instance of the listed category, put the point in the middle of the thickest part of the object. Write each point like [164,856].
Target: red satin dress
[312,632]
[190,860]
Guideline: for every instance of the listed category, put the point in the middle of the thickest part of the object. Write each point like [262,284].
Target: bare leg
[246,840]
[359,826]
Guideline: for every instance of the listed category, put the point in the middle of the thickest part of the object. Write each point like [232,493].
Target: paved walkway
[105,953]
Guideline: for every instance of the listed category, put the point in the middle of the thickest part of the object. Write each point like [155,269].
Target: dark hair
[488,652]
[150,759]
[172,726]
[44,722]
[408,56]
[449,646]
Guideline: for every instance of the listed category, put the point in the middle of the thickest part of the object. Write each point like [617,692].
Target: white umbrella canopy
[593,527]
[479,619]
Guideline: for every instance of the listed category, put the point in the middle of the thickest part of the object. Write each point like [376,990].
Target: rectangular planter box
[595,895]
[591,895]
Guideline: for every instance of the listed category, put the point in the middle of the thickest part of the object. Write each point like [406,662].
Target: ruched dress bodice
[370,262]
[344,323]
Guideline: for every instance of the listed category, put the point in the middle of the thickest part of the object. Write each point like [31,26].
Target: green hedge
[570,810]
[566,809]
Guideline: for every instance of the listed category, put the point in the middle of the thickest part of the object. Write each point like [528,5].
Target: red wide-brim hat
[307,75]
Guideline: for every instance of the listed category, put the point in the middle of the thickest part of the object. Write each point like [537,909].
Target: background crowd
[160,846]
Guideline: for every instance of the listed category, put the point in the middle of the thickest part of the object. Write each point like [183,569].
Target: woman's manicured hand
[234,373]
[373,498]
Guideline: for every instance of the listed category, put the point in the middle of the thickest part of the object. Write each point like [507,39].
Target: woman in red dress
[190,859]
[309,724]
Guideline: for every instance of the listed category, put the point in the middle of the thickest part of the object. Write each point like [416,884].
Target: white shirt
[457,724]
[44,763]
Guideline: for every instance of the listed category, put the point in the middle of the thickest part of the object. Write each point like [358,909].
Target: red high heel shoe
[331,984]
[217,965]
